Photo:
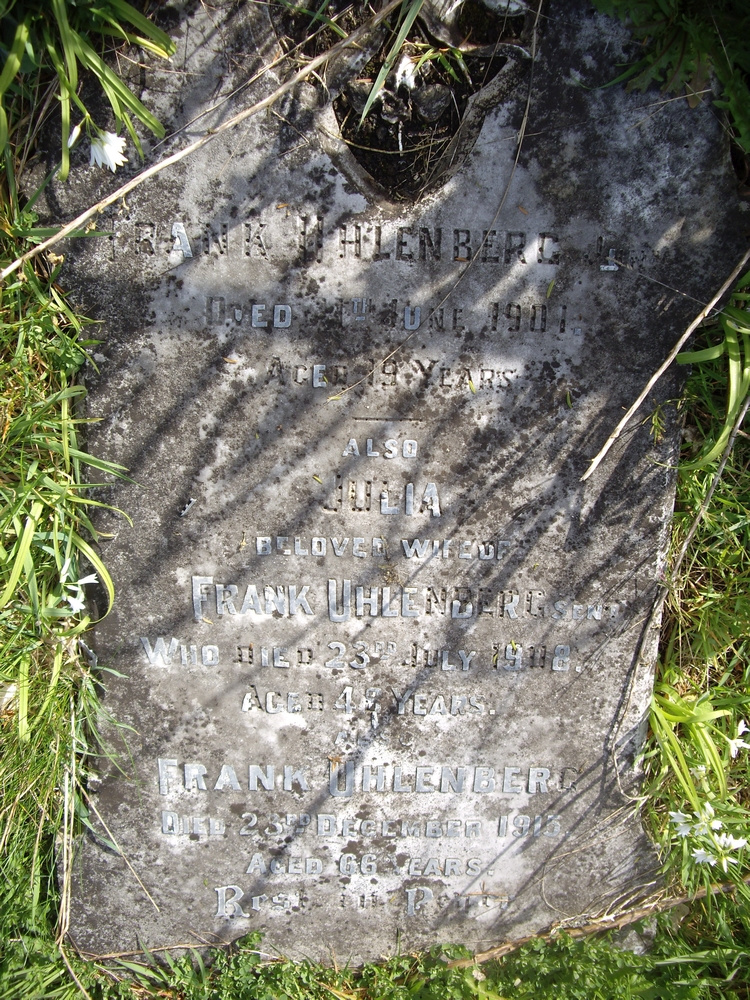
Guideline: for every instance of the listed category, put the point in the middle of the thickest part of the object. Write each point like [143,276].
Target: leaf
[23,698]
[694,357]
[154,38]
[22,550]
[116,90]
[406,25]
[69,39]
[101,569]
[14,57]
[673,753]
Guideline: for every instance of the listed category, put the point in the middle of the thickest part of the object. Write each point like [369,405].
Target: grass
[47,691]
[684,43]
[37,36]
[697,764]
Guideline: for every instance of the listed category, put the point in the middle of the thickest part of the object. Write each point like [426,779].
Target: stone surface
[382,655]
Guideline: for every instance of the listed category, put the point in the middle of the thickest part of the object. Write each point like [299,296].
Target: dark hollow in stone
[411,123]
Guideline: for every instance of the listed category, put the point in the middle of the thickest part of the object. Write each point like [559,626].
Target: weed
[683,43]
[43,37]
[48,696]
[698,767]
[733,322]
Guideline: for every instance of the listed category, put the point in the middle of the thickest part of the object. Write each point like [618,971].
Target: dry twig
[596,926]
[663,367]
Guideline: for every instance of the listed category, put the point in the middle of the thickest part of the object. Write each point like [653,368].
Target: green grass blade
[23,698]
[411,15]
[14,57]
[154,38]
[68,38]
[21,552]
[673,752]
[54,678]
[117,90]
[706,747]
[85,549]
[3,128]
[695,357]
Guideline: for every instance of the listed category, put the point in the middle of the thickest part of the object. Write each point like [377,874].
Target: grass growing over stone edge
[48,699]
[698,766]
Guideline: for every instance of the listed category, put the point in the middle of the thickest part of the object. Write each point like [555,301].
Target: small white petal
[405,73]
[702,856]
[74,136]
[7,695]
[729,843]
[742,728]
[107,150]
[91,578]
[679,817]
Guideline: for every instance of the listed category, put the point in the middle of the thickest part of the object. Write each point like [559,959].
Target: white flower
[7,696]
[108,150]
[682,823]
[735,744]
[706,822]
[406,73]
[703,856]
[91,578]
[729,843]
[74,136]
[76,604]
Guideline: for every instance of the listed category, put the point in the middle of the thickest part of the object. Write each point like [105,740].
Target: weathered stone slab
[383,654]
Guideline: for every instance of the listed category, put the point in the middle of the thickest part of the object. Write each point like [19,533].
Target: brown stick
[663,367]
[76,980]
[595,927]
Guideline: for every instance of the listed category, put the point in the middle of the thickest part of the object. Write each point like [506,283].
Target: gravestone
[383,659]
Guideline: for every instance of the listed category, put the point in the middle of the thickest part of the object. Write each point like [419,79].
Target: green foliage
[317,17]
[734,324]
[566,969]
[407,15]
[48,696]
[683,42]
[699,766]
[39,38]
